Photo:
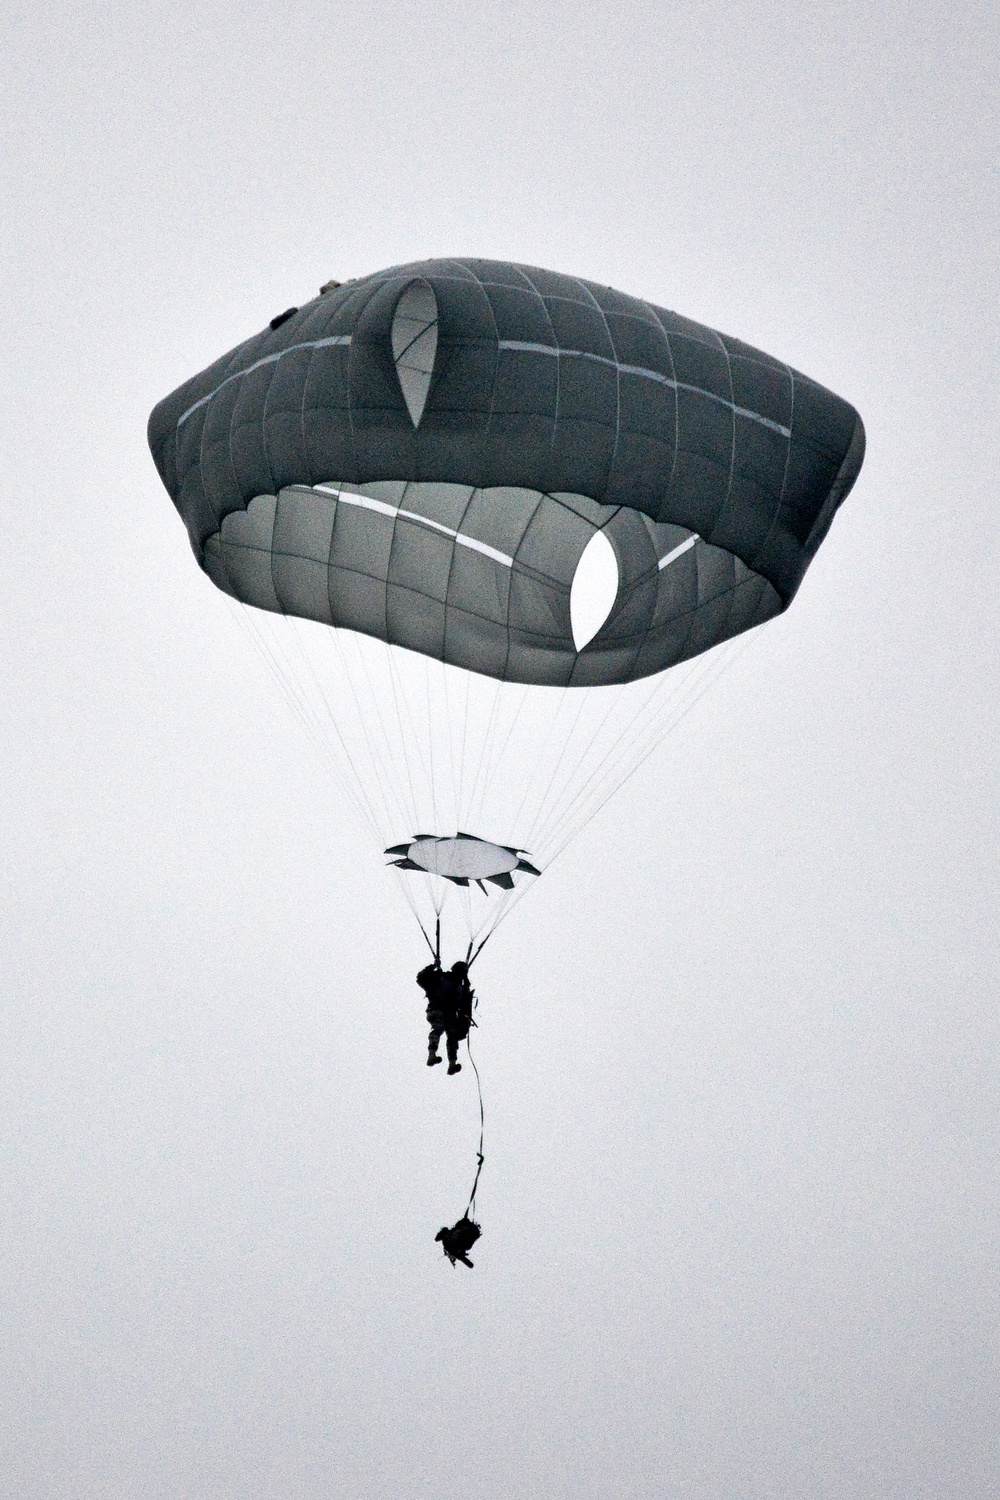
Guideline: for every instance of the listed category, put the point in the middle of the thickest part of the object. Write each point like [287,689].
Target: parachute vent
[414,345]
[594,591]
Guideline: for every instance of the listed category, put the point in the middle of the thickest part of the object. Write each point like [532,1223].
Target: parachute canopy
[509,470]
[546,492]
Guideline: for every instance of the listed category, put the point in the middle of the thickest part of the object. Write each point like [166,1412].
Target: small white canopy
[461,858]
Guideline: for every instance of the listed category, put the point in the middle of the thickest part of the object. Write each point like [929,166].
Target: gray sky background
[740,1046]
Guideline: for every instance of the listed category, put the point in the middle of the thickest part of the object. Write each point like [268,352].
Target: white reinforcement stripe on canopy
[525,348]
[268,359]
[383,508]
[348,497]
[675,385]
[665,562]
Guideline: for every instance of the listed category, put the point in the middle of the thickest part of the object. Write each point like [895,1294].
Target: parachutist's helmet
[460,967]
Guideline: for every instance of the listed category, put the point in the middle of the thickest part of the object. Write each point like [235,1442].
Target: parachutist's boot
[453,1067]
[432,1058]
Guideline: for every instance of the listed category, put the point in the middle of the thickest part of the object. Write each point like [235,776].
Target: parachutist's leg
[432,1046]
[454,1066]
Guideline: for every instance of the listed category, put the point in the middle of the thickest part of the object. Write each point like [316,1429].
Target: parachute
[503,515]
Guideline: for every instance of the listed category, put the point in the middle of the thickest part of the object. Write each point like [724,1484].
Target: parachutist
[449,1009]
[457,1241]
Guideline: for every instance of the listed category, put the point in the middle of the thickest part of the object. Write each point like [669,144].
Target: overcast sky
[740,1046]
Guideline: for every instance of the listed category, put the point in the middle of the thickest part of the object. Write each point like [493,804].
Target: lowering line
[471,1209]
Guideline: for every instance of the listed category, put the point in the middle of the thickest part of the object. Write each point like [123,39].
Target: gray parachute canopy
[442,454]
